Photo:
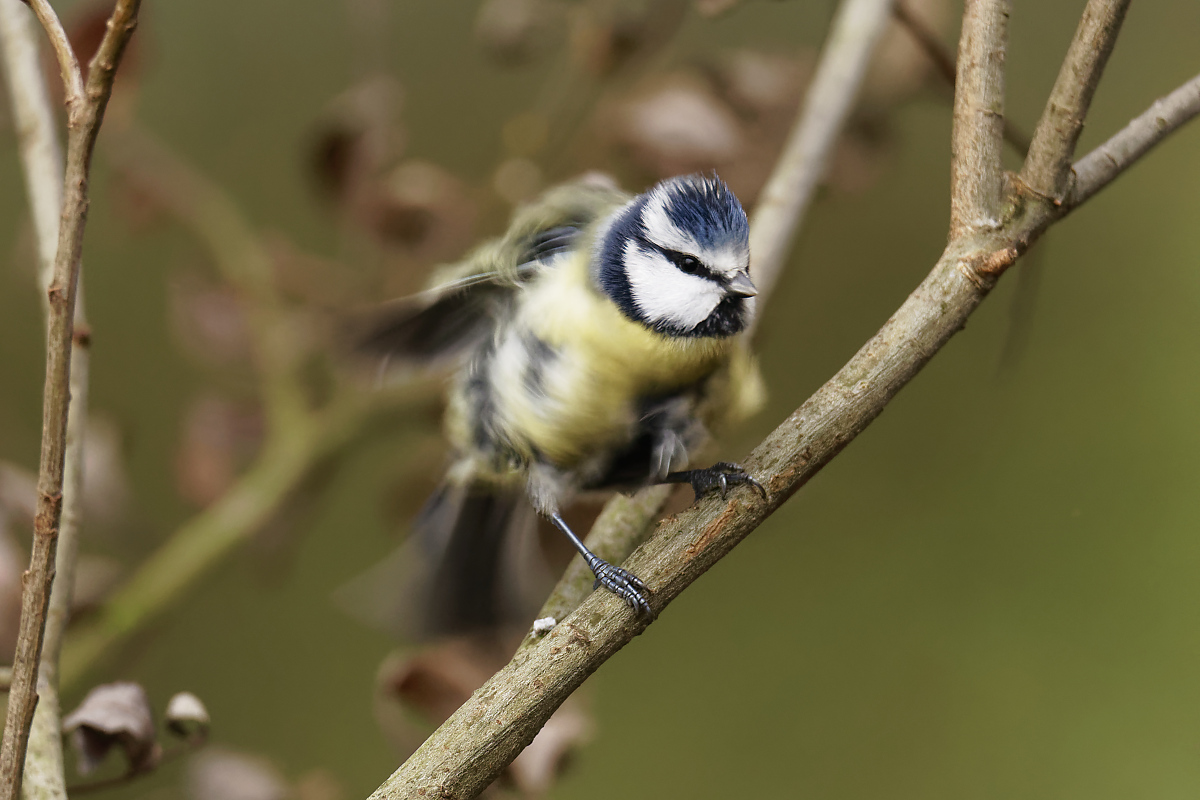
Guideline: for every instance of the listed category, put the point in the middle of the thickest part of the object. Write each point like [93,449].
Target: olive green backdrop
[992,593]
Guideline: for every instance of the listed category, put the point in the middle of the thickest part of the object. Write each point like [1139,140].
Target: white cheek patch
[664,294]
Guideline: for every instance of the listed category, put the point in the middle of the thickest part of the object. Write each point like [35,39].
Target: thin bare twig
[85,111]
[1047,169]
[976,175]
[68,64]
[930,42]
[943,60]
[1098,168]
[42,160]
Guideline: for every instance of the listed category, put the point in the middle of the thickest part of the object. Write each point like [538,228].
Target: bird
[595,346]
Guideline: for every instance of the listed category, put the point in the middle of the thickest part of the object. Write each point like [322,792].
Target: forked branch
[1047,169]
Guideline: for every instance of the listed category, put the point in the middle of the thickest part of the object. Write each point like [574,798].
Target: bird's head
[677,259]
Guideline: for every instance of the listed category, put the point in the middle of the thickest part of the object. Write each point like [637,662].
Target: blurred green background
[992,593]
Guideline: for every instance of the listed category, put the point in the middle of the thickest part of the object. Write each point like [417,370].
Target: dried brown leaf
[319,784]
[114,714]
[12,563]
[218,438]
[105,481]
[516,32]
[437,680]
[677,126]
[18,491]
[421,211]
[609,37]
[218,774]
[357,136]
[540,764]
[186,716]
[208,320]
[95,577]
[714,8]
[900,67]
[434,682]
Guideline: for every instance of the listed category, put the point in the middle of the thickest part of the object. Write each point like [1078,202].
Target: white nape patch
[664,294]
[666,234]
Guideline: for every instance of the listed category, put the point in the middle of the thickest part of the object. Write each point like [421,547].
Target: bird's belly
[572,399]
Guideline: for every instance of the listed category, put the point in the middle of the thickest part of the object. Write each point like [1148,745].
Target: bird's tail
[471,564]
[483,569]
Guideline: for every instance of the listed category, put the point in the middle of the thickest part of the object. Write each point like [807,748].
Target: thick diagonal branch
[471,748]
[977,140]
[1047,169]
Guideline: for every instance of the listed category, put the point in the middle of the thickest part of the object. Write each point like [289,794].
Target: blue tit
[598,344]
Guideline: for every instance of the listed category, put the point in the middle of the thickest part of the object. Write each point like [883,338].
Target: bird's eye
[688,264]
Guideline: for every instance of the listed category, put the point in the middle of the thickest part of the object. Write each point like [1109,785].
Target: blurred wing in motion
[460,309]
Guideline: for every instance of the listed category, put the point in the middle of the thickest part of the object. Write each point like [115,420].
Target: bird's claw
[623,584]
[721,476]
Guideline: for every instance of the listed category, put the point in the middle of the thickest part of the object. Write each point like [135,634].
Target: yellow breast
[600,367]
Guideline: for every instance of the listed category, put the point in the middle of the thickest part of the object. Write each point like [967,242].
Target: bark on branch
[1047,169]
[42,163]
[976,143]
[1098,168]
[85,110]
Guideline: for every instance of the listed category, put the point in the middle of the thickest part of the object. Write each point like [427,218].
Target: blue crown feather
[705,208]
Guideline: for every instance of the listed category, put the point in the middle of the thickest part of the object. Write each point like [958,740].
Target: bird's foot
[623,584]
[720,477]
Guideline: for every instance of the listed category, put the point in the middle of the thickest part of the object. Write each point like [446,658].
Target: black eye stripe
[688,264]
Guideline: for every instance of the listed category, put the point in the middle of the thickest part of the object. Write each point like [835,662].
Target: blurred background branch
[301,434]
[943,59]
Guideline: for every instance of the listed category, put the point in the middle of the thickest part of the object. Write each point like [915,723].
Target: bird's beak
[741,286]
